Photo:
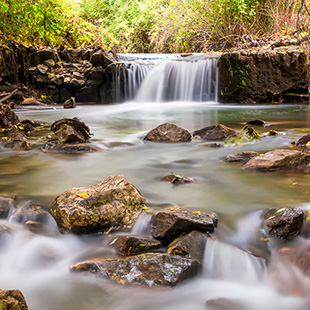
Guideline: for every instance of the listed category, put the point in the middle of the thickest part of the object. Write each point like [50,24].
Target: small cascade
[141,225]
[160,78]
[189,79]
[227,262]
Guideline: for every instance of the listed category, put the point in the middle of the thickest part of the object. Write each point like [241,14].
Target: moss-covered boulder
[12,300]
[112,205]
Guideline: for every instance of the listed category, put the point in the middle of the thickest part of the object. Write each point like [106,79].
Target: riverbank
[271,74]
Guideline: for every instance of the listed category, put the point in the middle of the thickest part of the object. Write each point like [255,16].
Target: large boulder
[12,300]
[167,225]
[214,133]
[42,55]
[168,133]
[151,269]
[113,204]
[191,246]
[129,245]
[278,159]
[285,223]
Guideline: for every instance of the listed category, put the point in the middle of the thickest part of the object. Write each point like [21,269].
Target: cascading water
[167,78]
[227,262]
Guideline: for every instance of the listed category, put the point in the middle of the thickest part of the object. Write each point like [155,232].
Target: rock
[151,269]
[70,103]
[167,225]
[78,148]
[112,205]
[41,55]
[42,69]
[168,133]
[213,133]
[285,223]
[7,117]
[70,131]
[191,246]
[262,76]
[257,122]
[176,179]
[101,58]
[224,304]
[49,62]
[299,256]
[35,218]
[6,204]
[213,145]
[303,141]
[12,300]
[242,157]
[31,101]
[128,245]
[278,159]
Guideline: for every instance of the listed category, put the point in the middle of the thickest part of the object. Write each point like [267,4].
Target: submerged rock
[224,304]
[285,223]
[214,133]
[170,224]
[129,245]
[151,269]
[278,159]
[257,122]
[112,205]
[242,157]
[168,133]
[12,300]
[191,246]
[176,179]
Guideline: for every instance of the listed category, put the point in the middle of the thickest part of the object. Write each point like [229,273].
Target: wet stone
[257,122]
[285,223]
[150,269]
[70,103]
[129,245]
[12,300]
[191,246]
[112,205]
[278,159]
[214,133]
[242,157]
[168,133]
[167,225]
[303,141]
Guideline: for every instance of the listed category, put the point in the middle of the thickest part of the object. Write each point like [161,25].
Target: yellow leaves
[293,184]
[198,212]
[82,195]
[172,2]
[282,209]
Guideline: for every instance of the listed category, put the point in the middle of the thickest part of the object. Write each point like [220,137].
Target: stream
[38,265]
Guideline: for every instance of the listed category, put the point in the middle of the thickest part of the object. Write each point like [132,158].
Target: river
[38,265]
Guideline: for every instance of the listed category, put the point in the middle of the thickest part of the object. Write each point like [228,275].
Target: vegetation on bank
[152,25]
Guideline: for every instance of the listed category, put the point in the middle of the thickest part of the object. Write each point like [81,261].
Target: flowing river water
[38,265]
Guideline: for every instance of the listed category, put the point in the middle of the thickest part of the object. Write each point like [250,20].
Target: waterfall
[227,262]
[160,78]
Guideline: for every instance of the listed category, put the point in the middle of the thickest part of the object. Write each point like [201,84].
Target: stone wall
[256,76]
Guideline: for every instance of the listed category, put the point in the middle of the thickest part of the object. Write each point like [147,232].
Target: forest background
[152,26]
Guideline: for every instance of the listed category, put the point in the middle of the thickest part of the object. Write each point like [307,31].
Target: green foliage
[129,20]
[45,22]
